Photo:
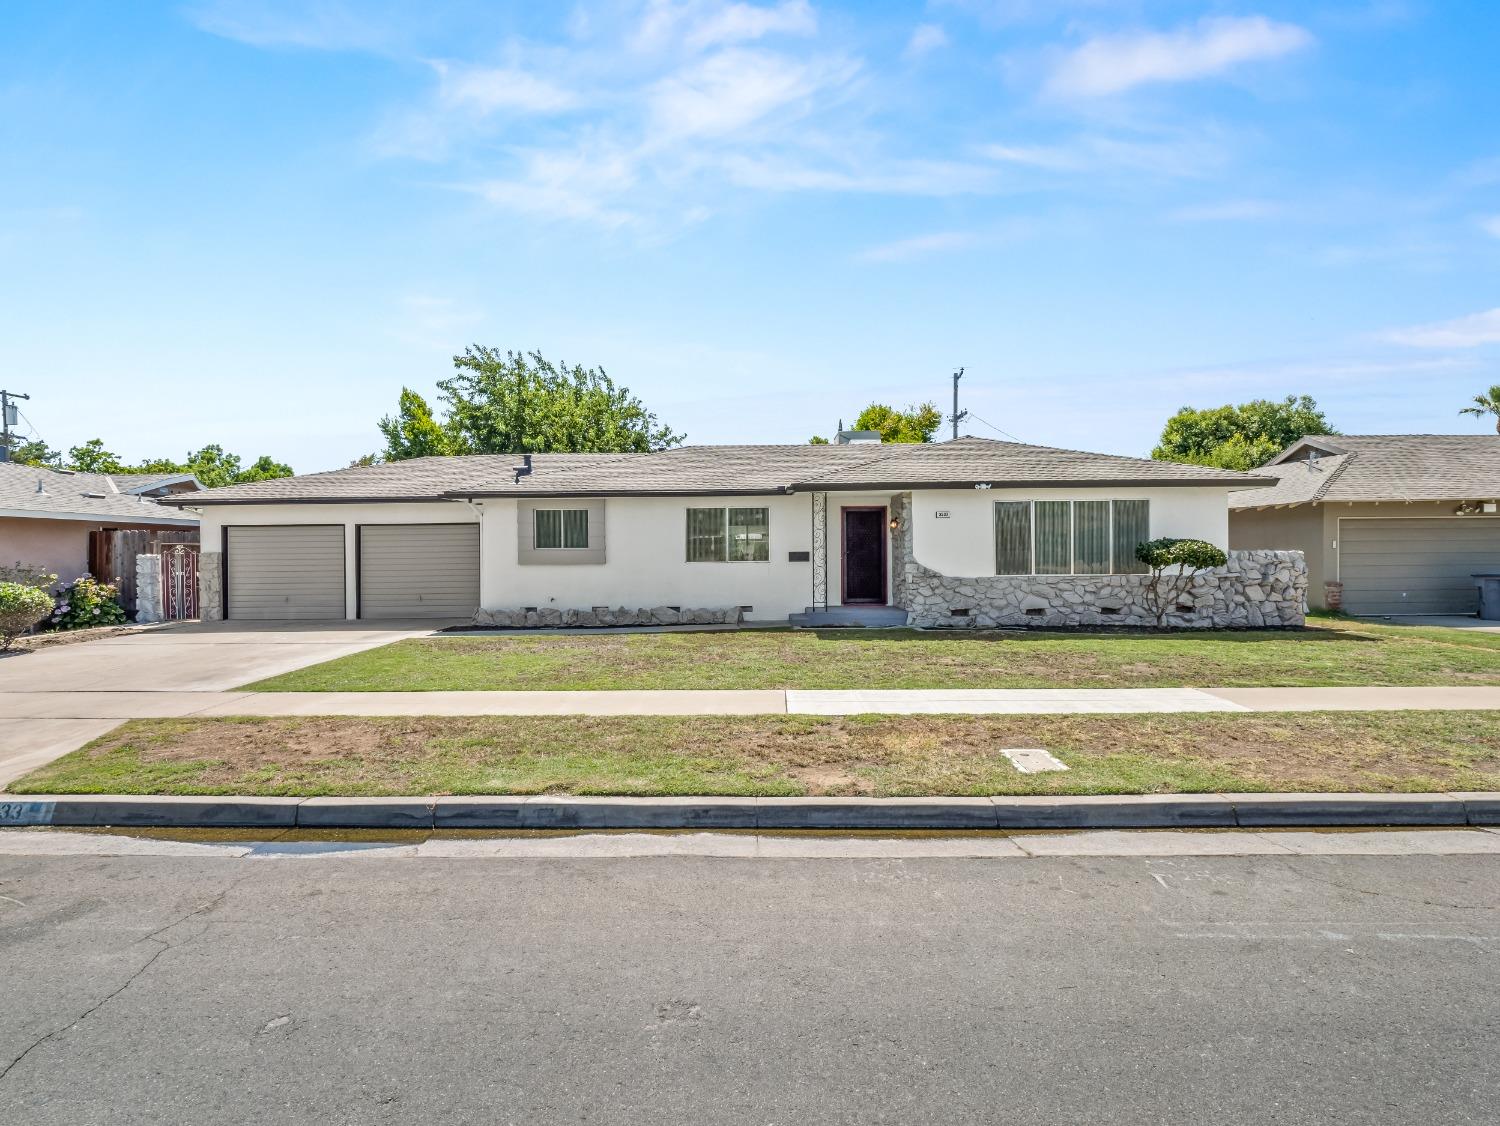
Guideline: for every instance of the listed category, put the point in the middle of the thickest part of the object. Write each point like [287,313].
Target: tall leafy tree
[1239,437]
[1486,404]
[215,468]
[412,431]
[515,402]
[918,423]
[92,457]
[33,451]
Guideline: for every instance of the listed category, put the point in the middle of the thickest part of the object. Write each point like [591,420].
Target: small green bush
[21,607]
[1165,587]
[28,574]
[87,602]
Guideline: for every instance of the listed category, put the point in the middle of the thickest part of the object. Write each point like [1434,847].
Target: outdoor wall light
[895,523]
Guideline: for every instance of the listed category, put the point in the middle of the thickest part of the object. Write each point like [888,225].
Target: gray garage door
[286,572]
[418,570]
[1415,566]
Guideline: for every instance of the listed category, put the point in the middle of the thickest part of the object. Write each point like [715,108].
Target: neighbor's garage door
[286,572]
[1415,566]
[418,570]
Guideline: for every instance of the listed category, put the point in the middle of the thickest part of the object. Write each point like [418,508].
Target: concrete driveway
[186,657]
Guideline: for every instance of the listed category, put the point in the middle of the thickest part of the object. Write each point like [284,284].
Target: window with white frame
[1070,537]
[560,528]
[728,535]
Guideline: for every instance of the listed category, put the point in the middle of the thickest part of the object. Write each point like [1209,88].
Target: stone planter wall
[1254,590]
[601,617]
[211,586]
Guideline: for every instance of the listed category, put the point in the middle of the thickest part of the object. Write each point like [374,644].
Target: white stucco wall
[646,561]
[964,542]
[216,518]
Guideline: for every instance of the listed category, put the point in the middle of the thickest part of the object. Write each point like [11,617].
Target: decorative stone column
[211,586]
[1333,596]
[820,551]
[148,607]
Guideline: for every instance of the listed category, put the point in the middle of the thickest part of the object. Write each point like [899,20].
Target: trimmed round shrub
[21,607]
[1191,555]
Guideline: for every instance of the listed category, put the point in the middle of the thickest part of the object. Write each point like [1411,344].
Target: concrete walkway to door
[187,657]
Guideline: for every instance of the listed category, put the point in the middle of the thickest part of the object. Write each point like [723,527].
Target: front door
[864,555]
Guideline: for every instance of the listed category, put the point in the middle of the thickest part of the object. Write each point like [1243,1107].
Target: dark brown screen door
[864,555]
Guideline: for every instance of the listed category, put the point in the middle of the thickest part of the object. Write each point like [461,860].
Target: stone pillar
[148,604]
[211,586]
[1333,596]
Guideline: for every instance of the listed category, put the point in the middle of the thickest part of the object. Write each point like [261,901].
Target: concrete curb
[1151,811]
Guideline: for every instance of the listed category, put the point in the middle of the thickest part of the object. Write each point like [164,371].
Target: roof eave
[96,517]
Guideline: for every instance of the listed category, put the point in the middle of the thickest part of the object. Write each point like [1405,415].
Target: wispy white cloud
[488,89]
[927,37]
[701,24]
[889,177]
[1490,225]
[733,89]
[1186,155]
[323,25]
[1112,64]
[920,246]
[1461,332]
[1227,211]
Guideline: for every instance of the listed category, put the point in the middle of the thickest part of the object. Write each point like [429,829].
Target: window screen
[1054,537]
[1091,543]
[749,535]
[705,535]
[575,527]
[560,527]
[1013,537]
[548,528]
[1132,520]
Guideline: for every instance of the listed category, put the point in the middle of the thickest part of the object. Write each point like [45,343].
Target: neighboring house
[760,531]
[46,515]
[1401,520]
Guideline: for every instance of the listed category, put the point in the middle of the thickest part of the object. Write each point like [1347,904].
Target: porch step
[856,617]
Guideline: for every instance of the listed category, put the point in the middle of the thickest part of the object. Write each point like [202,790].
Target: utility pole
[958,415]
[9,416]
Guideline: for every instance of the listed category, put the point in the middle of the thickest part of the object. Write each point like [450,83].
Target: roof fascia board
[98,517]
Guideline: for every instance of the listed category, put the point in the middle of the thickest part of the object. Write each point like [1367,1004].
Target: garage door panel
[1416,566]
[418,570]
[286,572]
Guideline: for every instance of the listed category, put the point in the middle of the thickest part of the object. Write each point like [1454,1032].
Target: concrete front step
[865,617]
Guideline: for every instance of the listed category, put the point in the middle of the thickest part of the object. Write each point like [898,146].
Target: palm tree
[1488,403]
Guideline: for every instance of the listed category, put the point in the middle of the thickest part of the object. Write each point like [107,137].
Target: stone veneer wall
[601,617]
[148,607]
[1254,590]
[211,586]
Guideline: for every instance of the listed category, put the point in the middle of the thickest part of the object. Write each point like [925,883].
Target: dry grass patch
[784,755]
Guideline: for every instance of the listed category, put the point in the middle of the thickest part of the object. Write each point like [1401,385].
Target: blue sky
[253,221]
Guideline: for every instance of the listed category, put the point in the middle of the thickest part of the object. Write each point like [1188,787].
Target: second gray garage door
[1415,566]
[418,570]
[285,572]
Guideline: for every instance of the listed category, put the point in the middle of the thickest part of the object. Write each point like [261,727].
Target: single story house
[1394,523]
[968,532]
[47,515]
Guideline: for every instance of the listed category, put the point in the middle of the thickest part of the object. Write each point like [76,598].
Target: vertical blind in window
[705,535]
[732,535]
[1062,537]
[561,527]
[1013,537]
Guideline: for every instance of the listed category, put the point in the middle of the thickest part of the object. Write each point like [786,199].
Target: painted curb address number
[26,812]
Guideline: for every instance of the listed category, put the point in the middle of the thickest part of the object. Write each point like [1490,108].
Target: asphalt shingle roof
[31,489]
[1383,467]
[707,470]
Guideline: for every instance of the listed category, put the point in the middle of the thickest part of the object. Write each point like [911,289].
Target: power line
[992,426]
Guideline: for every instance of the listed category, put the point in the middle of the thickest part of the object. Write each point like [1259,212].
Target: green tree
[523,403]
[1486,404]
[215,469]
[817,440]
[1239,437]
[33,451]
[918,423]
[92,457]
[413,432]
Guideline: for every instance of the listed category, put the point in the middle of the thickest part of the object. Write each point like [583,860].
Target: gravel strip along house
[965,533]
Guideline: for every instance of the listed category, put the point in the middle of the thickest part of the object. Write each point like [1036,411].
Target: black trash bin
[1489,597]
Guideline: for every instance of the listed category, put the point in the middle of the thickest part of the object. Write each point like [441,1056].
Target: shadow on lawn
[1238,636]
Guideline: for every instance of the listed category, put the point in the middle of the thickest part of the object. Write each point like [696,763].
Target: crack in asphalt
[1375,893]
[162,947]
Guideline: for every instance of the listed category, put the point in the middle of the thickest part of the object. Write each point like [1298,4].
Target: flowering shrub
[28,574]
[86,602]
[21,607]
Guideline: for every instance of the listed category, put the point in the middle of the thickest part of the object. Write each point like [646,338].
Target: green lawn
[783,755]
[1329,652]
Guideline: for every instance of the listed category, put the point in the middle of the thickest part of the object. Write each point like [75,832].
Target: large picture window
[561,528]
[1070,537]
[728,535]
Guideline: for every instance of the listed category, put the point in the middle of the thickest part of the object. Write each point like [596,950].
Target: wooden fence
[112,555]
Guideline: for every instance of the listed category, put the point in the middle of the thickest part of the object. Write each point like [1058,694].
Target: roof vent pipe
[524,469]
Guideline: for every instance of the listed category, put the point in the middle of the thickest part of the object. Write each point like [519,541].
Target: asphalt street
[678,989]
